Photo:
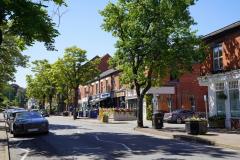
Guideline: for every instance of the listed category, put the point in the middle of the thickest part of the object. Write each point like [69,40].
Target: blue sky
[81,26]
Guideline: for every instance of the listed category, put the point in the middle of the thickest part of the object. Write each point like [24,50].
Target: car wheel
[179,120]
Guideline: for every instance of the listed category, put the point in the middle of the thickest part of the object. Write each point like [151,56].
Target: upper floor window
[101,89]
[97,89]
[217,58]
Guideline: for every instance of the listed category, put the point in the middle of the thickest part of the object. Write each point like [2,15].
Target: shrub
[217,117]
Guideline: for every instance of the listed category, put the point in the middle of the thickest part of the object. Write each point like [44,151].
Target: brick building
[221,73]
[105,90]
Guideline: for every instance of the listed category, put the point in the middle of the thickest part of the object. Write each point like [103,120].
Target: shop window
[217,58]
[234,99]
[220,100]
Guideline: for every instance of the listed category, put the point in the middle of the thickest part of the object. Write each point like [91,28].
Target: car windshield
[28,115]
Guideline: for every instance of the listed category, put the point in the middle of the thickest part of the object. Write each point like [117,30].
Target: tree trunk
[75,100]
[140,111]
[50,104]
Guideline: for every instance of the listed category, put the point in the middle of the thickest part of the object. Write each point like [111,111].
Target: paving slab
[4,155]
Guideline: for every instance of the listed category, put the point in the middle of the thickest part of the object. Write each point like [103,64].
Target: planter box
[124,116]
[217,123]
[196,127]
[104,119]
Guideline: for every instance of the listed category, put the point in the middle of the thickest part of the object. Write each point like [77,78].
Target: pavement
[4,154]
[217,137]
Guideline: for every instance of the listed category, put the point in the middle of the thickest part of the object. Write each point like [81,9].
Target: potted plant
[195,125]
[217,121]
[105,117]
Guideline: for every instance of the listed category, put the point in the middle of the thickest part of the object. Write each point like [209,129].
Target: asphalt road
[88,139]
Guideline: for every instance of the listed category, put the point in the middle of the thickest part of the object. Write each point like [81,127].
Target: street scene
[89,139]
[119,79]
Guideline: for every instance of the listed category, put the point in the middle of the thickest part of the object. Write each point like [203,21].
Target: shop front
[119,99]
[223,96]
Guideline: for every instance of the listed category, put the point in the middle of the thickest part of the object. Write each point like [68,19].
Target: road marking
[25,155]
[18,144]
[124,145]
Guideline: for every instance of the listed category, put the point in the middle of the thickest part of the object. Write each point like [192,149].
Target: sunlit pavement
[89,139]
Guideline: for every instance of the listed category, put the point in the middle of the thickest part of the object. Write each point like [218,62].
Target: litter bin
[157,120]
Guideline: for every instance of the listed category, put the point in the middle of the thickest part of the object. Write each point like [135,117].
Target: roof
[103,74]
[230,27]
[107,73]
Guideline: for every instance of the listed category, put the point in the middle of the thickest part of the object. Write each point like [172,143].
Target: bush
[149,106]
[217,117]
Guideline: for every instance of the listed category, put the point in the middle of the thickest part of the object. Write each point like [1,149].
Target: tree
[29,20]
[76,69]
[42,86]
[10,58]
[153,39]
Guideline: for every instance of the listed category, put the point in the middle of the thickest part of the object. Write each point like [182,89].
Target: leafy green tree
[29,20]
[42,85]
[76,69]
[154,38]
[10,58]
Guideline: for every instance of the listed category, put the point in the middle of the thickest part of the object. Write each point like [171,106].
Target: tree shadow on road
[109,145]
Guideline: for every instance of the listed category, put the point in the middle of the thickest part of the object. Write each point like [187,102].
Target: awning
[161,90]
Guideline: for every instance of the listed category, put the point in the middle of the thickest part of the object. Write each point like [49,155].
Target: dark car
[29,122]
[44,113]
[178,116]
[11,114]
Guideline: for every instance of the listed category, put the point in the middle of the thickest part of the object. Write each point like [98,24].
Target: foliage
[42,85]
[154,38]
[76,69]
[149,106]
[60,79]
[29,20]
[195,118]
[217,117]
[10,58]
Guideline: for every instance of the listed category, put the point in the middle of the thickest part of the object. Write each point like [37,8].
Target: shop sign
[105,95]
[119,94]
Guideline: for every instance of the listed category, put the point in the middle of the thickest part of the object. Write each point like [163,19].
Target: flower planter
[196,127]
[104,119]
[124,116]
[220,123]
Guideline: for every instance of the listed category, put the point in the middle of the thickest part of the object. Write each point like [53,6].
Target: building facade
[221,73]
[181,93]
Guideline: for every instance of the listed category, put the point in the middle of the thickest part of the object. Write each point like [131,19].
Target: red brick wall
[186,87]
[231,53]
[103,65]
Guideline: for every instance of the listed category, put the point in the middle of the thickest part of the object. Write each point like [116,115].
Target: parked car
[11,117]
[29,122]
[177,116]
[44,113]
[11,114]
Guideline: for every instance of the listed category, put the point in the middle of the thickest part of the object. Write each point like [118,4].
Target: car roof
[16,111]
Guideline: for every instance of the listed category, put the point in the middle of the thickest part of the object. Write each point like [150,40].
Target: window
[107,86]
[97,88]
[234,98]
[101,87]
[220,102]
[113,83]
[217,58]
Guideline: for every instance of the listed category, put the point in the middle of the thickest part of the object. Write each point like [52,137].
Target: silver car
[29,122]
